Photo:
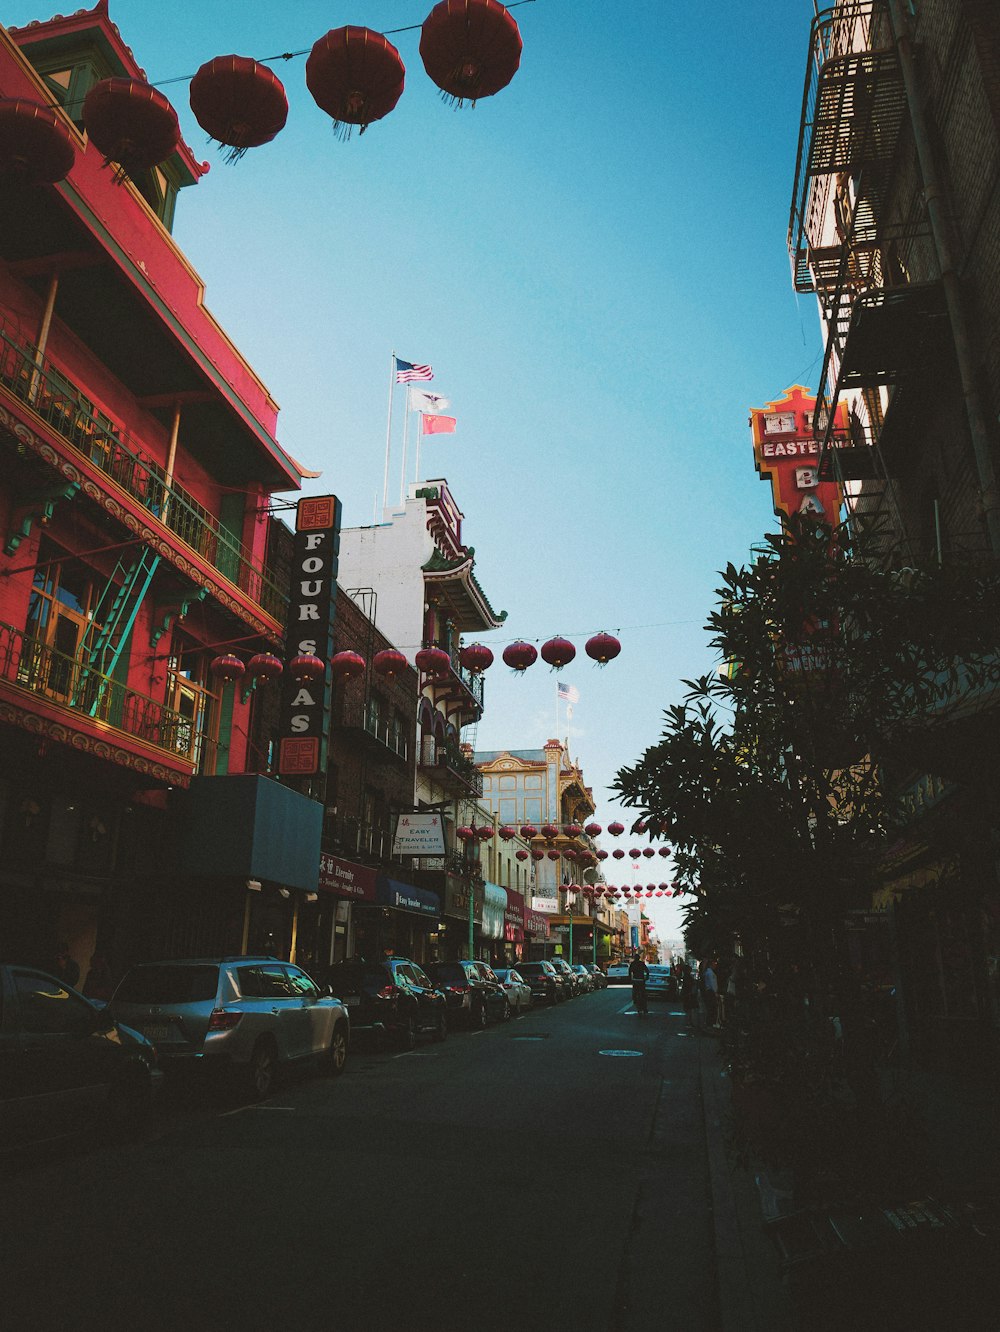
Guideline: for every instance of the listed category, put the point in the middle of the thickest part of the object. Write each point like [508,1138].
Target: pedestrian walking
[689,996]
[710,992]
[638,971]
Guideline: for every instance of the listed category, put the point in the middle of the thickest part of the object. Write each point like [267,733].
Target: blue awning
[249,827]
[405,897]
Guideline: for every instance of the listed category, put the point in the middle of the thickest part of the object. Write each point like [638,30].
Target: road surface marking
[622,1054]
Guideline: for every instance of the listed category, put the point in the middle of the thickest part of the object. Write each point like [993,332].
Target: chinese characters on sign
[418,835]
[786,453]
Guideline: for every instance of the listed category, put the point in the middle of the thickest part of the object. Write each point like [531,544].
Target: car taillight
[388,992]
[223,1021]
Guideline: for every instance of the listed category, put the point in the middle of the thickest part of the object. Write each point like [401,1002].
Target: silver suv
[257,1014]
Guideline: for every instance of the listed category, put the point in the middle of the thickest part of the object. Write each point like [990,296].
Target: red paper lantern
[537,853]
[602,648]
[618,853]
[664,886]
[519,656]
[476,658]
[664,851]
[626,892]
[306,669]
[659,892]
[528,830]
[616,829]
[553,855]
[485,832]
[639,826]
[549,831]
[470,48]
[465,834]
[36,144]
[389,663]
[239,103]
[573,830]
[264,668]
[593,830]
[356,76]
[649,852]
[521,854]
[228,669]
[570,854]
[558,652]
[635,853]
[434,662]
[506,832]
[131,123]
[347,665]
[602,855]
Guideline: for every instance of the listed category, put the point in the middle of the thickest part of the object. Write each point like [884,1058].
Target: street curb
[751,1297]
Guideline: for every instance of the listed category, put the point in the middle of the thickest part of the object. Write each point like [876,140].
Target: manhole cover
[622,1054]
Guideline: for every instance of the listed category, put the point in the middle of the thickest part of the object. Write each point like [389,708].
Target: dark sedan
[473,992]
[65,1065]
[546,984]
[394,998]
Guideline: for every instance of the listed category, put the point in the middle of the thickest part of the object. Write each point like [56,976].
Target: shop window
[61,623]
[193,731]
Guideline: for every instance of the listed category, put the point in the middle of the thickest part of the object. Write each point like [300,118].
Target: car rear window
[533,969]
[351,977]
[450,972]
[166,984]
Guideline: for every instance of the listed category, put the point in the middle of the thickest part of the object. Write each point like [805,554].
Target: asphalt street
[547,1173]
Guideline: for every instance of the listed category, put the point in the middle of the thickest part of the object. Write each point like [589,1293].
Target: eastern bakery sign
[304,722]
[786,453]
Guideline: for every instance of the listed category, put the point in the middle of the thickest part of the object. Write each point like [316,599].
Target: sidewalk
[752,1297]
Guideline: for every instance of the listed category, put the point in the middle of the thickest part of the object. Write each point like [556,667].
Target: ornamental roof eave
[457,585]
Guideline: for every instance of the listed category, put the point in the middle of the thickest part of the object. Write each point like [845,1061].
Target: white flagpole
[420,431]
[406,430]
[388,431]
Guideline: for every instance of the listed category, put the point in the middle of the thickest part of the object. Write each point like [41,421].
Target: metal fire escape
[115,613]
[852,248]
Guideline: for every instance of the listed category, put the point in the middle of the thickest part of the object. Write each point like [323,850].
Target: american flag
[567,691]
[408,373]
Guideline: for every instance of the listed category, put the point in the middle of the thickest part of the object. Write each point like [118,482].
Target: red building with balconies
[137,455]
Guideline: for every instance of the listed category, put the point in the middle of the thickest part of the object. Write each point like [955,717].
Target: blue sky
[594,263]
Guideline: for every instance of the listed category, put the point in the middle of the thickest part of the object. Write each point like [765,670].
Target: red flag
[437,425]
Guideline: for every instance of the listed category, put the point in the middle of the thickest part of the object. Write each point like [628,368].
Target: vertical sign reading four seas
[304,723]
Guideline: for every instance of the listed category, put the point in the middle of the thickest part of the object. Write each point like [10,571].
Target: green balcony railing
[54,398]
[32,666]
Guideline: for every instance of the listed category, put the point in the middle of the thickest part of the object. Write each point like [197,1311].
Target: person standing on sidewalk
[710,992]
[638,971]
[689,996]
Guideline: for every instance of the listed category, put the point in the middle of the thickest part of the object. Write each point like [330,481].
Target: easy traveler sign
[418,835]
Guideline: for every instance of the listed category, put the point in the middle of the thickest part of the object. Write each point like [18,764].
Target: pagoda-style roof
[452,586]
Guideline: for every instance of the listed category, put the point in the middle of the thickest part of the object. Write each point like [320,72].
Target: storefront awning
[345,879]
[405,897]
[245,826]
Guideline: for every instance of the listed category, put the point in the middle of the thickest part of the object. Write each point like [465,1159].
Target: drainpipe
[941,231]
[43,337]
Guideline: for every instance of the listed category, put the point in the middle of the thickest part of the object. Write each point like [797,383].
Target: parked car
[660,983]
[65,1065]
[600,980]
[586,980]
[568,974]
[253,1015]
[618,974]
[517,988]
[473,992]
[393,998]
[545,982]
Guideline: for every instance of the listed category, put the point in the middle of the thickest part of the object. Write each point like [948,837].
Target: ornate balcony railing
[62,405]
[35,668]
[450,767]
[352,836]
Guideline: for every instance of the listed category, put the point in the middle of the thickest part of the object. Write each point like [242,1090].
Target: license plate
[158,1033]
[352,1000]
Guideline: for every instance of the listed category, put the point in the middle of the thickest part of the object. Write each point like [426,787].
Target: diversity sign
[304,722]
[786,453]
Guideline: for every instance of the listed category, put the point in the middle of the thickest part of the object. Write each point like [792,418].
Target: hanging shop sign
[304,720]
[546,904]
[786,453]
[419,835]
[456,898]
